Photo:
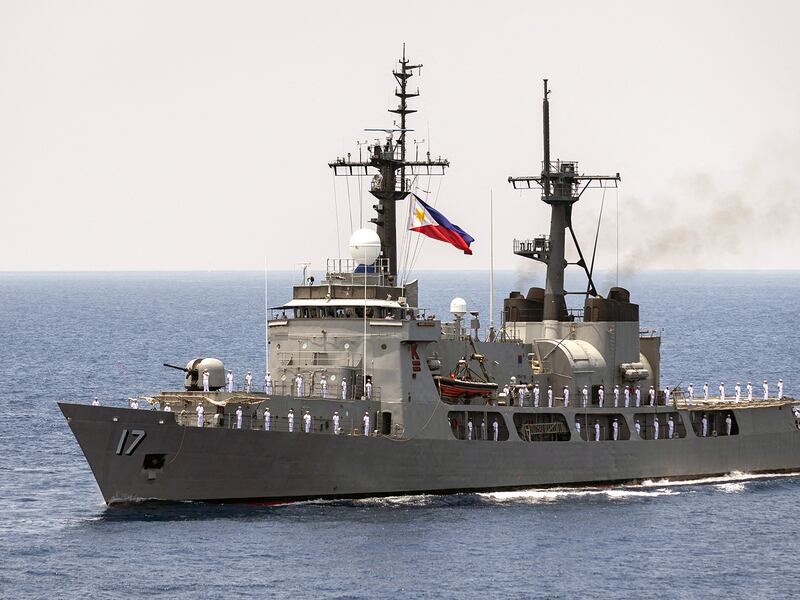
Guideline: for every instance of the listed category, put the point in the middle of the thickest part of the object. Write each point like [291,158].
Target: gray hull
[219,464]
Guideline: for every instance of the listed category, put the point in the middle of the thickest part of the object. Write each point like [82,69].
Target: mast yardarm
[562,187]
[392,175]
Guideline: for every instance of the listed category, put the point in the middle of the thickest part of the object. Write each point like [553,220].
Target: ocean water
[79,335]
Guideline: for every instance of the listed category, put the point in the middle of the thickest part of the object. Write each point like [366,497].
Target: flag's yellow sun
[420,214]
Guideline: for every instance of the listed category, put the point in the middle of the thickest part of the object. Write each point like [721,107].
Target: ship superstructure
[369,395]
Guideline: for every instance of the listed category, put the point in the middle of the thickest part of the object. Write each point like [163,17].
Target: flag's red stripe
[442,234]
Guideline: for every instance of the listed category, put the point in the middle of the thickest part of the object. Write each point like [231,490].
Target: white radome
[458,306]
[365,246]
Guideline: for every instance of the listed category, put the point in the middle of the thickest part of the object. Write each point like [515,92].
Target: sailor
[705,392]
[780,389]
[549,396]
[670,427]
[344,389]
[615,429]
[765,387]
[336,423]
[638,393]
[638,428]
[95,402]
[290,417]
[366,423]
[596,431]
[655,428]
[307,422]
[199,411]
[506,391]
[523,393]
[205,380]
[749,391]
[616,396]
[298,385]
[496,428]
[566,396]
[268,383]
[690,391]
[601,394]
[737,390]
[167,408]
[652,395]
[469,429]
[704,424]
[728,424]
[626,394]
[536,395]
[585,395]
[324,385]
[578,427]
[229,380]
[722,392]
[239,418]
[248,382]
[134,403]
[267,419]
[666,396]
[369,390]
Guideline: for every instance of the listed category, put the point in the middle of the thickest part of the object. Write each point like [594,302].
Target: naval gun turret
[193,374]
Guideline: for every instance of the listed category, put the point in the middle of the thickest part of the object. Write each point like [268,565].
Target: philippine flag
[429,221]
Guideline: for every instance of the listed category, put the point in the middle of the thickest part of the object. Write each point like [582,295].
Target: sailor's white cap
[230,370]
[307,412]
[366,412]
[336,412]
[291,410]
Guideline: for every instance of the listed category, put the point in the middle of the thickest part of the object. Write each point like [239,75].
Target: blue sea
[73,336]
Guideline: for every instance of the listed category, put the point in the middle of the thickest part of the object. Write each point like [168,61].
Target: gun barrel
[184,369]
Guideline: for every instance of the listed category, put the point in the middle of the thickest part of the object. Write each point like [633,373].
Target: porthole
[383,346]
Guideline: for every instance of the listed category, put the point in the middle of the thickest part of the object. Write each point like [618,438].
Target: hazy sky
[196,135]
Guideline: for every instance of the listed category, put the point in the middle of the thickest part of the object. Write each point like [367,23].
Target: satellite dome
[365,246]
[458,306]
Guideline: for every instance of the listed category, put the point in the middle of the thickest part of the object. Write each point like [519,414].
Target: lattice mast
[562,187]
[385,160]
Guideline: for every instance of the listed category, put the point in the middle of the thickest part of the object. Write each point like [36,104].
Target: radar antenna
[384,163]
[562,187]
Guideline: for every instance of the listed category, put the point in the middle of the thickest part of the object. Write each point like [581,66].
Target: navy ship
[369,396]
